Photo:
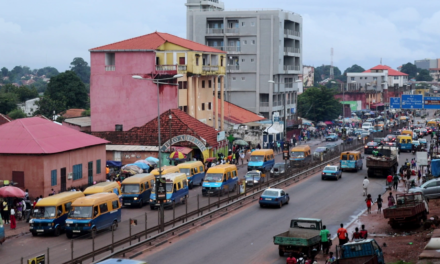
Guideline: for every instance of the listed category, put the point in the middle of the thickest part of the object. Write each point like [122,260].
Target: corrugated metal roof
[130,148]
[238,115]
[36,135]
[80,121]
[391,72]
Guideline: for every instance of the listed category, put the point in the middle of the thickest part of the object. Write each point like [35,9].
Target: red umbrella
[11,192]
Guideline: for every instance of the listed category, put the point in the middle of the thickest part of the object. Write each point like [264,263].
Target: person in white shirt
[365,184]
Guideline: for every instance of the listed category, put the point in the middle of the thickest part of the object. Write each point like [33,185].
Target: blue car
[331,137]
[274,197]
[332,172]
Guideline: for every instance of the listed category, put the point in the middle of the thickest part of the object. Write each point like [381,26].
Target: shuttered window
[98,166]
[53,177]
[77,172]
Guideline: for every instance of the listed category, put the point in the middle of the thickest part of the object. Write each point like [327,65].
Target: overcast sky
[51,33]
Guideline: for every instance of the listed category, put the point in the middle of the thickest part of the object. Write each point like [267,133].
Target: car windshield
[169,187]
[214,177]
[270,193]
[330,168]
[297,154]
[415,142]
[186,171]
[252,175]
[257,158]
[44,212]
[81,212]
[130,188]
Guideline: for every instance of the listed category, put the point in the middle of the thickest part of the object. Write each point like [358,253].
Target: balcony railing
[166,67]
[276,103]
[109,67]
[217,47]
[209,68]
[288,85]
[233,48]
[291,68]
[291,49]
[291,32]
[233,67]
[214,31]
[264,104]
[232,30]
[181,67]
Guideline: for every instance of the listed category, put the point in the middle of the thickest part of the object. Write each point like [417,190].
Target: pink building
[40,155]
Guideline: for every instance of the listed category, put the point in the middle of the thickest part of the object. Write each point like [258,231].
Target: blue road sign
[412,101]
[432,102]
[395,102]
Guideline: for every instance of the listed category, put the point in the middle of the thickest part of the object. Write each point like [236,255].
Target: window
[90,168]
[53,177]
[118,127]
[352,78]
[103,208]
[201,168]
[203,106]
[98,166]
[185,109]
[183,85]
[209,106]
[229,175]
[185,184]
[233,78]
[95,211]
[115,204]
[203,84]
[110,59]
[77,172]
[252,24]
[396,77]
[360,78]
[197,61]
[179,185]
[234,174]
[67,206]
[147,185]
[209,83]
[252,60]
[59,210]
[243,78]
[253,42]
[221,61]
[242,24]
[242,60]
[245,42]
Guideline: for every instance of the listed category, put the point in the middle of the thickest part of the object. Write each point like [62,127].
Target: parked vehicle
[320,151]
[361,252]
[50,213]
[136,190]
[177,190]
[409,208]
[430,189]
[279,169]
[274,197]
[103,187]
[195,172]
[262,159]
[220,179]
[385,164]
[300,156]
[351,160]
[93,213]
[302,237]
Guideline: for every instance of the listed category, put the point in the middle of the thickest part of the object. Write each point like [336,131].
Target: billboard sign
[412,101]
[432,102]
[308,76]
[395,102]
[353,105]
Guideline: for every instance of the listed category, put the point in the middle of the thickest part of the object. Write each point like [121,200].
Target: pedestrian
[242,155]
[41,197]
[391,200]
[53,192]
[330,259]
[13,222]
[258,146]
[356,235]
[364,232]
[419,176]
[26,194]
[379,204]
[365,184]
[291,259]
[369,201]
[342,235]
[6,211]
[395,181]
[19,210]
[325,241]
[389,181]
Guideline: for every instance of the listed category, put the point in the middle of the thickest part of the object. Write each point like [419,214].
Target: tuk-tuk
[405,142]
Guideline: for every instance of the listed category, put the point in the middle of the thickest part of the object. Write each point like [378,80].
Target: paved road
[27,245]
[246,237]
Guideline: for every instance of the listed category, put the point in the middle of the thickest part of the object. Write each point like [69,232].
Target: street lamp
[157,82]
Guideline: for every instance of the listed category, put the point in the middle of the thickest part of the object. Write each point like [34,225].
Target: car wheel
[280,205]
[68,235]
[57,231]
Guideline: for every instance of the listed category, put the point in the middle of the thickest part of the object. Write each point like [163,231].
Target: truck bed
[381,162]
[403,211]
[297,237]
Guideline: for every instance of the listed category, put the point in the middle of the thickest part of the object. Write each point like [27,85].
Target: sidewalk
[21,229]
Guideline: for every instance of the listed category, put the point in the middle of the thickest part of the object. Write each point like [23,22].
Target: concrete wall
[117,98]
[37,168]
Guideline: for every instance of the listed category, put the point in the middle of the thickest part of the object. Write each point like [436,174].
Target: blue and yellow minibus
[93,213]
[404,142]
[300,155]
[136,189]
[50,213]
[165,170]
[220,179]
[177,190]
[351,160]
[195,172]
[103,187]
[262,160]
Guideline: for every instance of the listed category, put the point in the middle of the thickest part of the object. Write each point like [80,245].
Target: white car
[367,126]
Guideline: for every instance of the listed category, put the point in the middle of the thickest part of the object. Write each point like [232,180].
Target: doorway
[63,179]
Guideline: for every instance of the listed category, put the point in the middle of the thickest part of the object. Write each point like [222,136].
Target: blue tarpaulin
[112,163]
[435,167]
[152,160]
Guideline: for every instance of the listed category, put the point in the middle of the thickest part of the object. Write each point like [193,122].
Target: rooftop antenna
[332,73]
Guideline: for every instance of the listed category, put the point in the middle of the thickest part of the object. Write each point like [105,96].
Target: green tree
[319,104]
[17,113]
[81,68]
[5,71]
[67,89]
[49,72]
[323,72]
[354,68]
[25,93]
[410,69]
[424,76]
[8,102]
[8,88]
[47,106]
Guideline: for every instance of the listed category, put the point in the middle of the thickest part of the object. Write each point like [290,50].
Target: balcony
[109,67]
[291,50]
[291,68]
[233,49]
[217,47]
[233,67]
[232,31]
[207,68]
[291,32]
[288,85]
[264,104]
[167,69]
[214,31]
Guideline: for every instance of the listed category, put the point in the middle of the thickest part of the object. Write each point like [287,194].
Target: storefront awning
[184,150]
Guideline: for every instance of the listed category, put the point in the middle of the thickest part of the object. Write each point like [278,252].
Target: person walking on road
[325,234]
[395,181]
[365,184]
[391,200]
[364,232]
[291,259]
[379,204]
[369,202]
[342,235]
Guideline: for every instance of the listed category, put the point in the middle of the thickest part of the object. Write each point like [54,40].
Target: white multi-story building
[377,78]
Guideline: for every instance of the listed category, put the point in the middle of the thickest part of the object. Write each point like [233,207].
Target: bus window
[103,208]
[201,169]
[59,210]
[95,211]
[175,187]
[179,185]
[344,157]
[68,206]
[234,174]
[225,177]
[184,184]
[229,175]
[351,157]
[115,204]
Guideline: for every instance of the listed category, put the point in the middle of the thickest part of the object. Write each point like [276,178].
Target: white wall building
[29,107]
[377,78]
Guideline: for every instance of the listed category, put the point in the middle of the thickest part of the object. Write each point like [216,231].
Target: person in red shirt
[291,259]
[369,201]
[356,235]
[389,181]
[364,233]
[342,235]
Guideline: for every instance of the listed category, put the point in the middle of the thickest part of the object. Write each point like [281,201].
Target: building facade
[261,46]
[118,102]
[378,78]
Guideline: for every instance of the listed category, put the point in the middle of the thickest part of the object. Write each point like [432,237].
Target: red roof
[153,41]
[146,135]
[36,135]
[4,119]
[237,115]
[391,72]
[70,113]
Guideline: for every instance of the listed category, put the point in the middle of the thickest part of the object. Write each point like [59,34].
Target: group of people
[14,209]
